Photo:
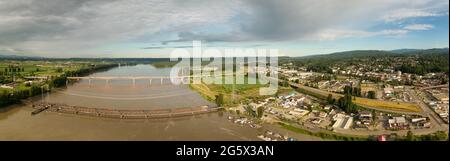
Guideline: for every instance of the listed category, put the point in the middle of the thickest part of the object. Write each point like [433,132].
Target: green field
[40,68]
[233,93]
[13,74]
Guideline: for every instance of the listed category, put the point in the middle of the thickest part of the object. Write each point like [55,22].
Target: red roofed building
[381,138]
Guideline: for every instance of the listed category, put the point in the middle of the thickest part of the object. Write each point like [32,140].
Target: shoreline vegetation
[164,64]
[324,135]
[56,78]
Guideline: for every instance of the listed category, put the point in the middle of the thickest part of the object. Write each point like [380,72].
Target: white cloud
[403,14]
[61,27]
[419,27]
[340,34]
[86,25]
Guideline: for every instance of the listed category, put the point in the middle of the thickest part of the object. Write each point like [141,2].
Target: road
[438,86]
[437,123]
[336,95]
[436,120]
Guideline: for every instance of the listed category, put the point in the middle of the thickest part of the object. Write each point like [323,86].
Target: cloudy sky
[153,28]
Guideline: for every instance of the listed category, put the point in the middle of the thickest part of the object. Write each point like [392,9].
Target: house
[304,75]
[365,115]
[388,91]
[316,121]
[293,79]
[6,86]
[415,120]
[348,123]
[323,114]
[327,107]
[28,83]
[397,122]
[298,113]
[289,71]
[399,87]
[441,97]
[342,121]
[338,123]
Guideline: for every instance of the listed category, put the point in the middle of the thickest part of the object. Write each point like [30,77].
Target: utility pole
[42,94]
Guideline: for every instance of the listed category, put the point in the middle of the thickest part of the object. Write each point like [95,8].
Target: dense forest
[427,63]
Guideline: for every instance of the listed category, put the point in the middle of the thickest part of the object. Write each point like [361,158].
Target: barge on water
[123,114]
[39,110]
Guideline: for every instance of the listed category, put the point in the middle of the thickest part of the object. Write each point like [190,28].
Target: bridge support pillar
[134,82]
[162,81]
[150,82]
[89,82]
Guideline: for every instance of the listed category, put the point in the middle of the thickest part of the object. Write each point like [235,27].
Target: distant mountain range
[375,53]
[419,50]
[405,50]
[345,54]
[19,57]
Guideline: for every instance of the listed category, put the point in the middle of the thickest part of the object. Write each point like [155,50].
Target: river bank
[17,123]
[14,96]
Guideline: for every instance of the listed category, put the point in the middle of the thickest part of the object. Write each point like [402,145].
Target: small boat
[290,139]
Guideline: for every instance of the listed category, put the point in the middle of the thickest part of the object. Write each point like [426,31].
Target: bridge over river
[149,78]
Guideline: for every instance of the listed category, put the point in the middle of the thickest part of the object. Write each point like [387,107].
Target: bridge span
[150,79]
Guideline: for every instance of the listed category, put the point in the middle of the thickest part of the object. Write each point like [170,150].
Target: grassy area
[40,68]
[233,93]
[324,135]
[14,73]
[242,92]
[4,89]
[368,87]
[204,91]
[342,78]
[164,64]
[394,106]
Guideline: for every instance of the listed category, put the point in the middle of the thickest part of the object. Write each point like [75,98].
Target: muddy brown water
[16,122]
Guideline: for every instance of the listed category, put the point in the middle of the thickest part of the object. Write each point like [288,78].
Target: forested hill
[17,57]
[376,53]
[410,61]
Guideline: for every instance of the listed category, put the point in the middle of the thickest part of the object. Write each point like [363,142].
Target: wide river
[16,122]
